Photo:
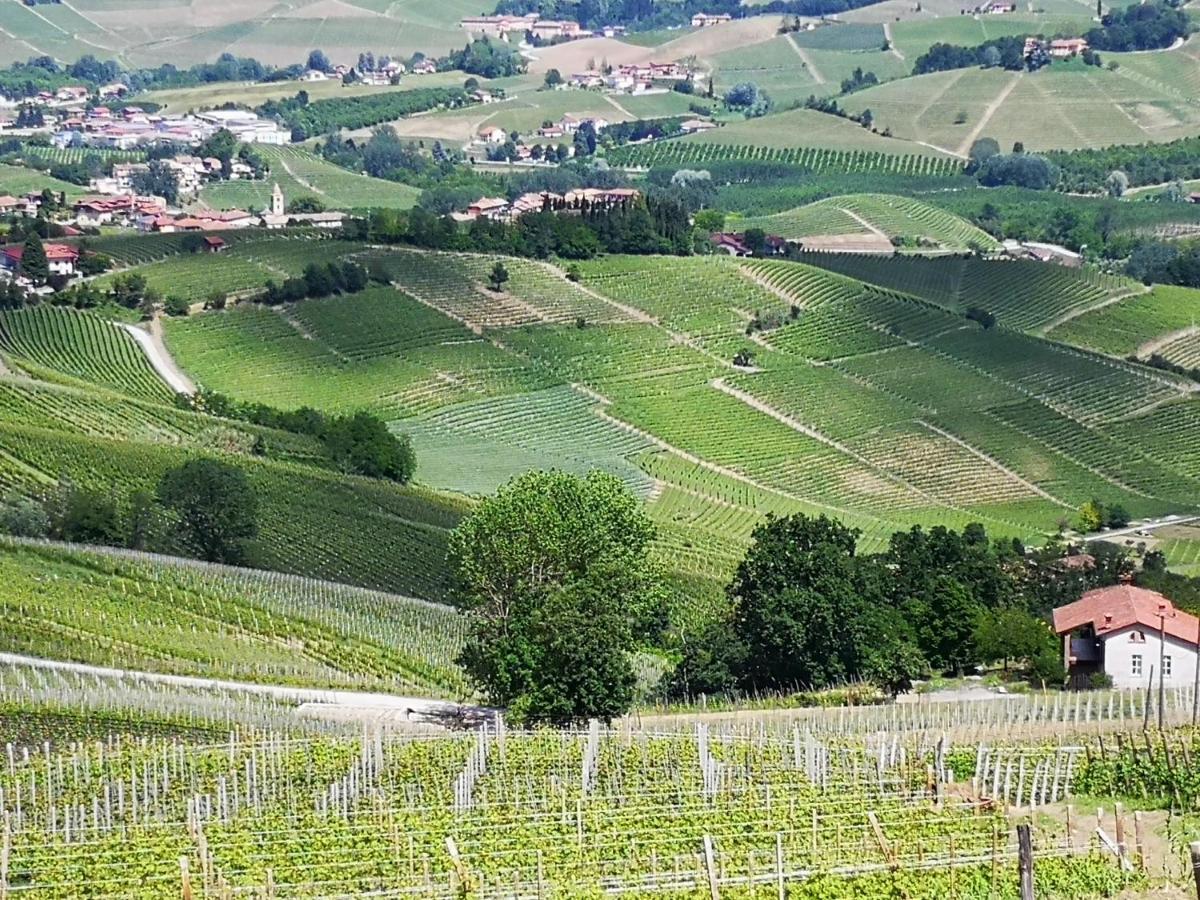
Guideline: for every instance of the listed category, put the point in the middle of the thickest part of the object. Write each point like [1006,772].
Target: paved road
[1165,522]
[155,349]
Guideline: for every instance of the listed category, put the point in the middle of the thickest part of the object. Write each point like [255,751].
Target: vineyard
[907,222]
[681,152]
[1020,293]
[80,346]
[160,614]
[502,813]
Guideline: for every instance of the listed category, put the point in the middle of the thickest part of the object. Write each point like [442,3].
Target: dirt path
[309,185]
[864,223]
[1078,311]
[1151,347]
[935,98]
[347,705]
[988,112]
[808,63]
[995,464]
[617,106]
[887,36]
[798,426]
[152,344]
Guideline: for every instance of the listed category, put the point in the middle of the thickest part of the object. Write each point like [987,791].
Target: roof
[214,241]
[1116,608]
[54,252]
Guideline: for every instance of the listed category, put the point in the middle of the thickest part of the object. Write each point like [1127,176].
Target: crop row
[815,159]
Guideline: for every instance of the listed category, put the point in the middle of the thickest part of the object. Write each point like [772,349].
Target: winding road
[160,358]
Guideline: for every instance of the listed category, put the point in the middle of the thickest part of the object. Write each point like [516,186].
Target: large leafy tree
[555,575]
[215,506]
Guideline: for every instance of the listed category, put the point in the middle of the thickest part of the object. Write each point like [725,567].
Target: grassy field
[17,180]
[1092,107]
[300,173]
[903,219]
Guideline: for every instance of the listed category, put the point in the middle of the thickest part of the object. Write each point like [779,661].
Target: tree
[158,180]
[1117,183]
[555,574]
[1010,633]
[215,506]
[23,517]
[981,151]
[741,95]
[553,78]
[363,445]
[319,61]
[306,204]
[176,306]
[990,57]
[34,264]
[498,277]
[1091,516]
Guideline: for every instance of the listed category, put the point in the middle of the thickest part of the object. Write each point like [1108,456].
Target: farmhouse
[61,258]
[488,208]
[731,244]
[1126,631]
[1061,48]
[493,135]
[549,30]
[498,26]
[705,20]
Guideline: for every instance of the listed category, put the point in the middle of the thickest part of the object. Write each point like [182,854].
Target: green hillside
[157,614]
[908,222]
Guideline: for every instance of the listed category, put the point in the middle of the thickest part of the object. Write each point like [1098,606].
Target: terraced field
[908,222]
[79,346]
[1142,319]
[875,400]
[1020,293]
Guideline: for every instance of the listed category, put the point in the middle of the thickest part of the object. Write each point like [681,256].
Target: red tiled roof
[1114,608]
[54,252]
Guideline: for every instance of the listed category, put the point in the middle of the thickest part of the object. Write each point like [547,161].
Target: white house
[1125,631]
[314,75]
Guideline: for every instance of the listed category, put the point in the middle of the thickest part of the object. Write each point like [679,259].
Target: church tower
[276,200]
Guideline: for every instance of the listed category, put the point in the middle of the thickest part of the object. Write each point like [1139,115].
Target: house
[488,208]
[483,97]
[425,67]
[1128,632]
[1061,48]
[8,204]
[551,131]
[706,20]
[116,89]
[1193,198]
[732,244]
[550,29]
[60,257]
[214,244]
[498,26]
[690,125]
[71,92]
[589,79]
[493,135]
[313,75]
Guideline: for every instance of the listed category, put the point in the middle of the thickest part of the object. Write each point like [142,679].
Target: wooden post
[5,853]
[1194,849]
[1025,860]
[459,869]
[1070,827]
[1139,847]
[1119,818]
[185,878]
[888,853]
[270,883]
[711,866]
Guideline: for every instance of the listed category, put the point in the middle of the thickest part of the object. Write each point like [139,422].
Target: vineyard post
[1070,828]
[779,865]
[711,867]
[1139,845]
[1120,831]
[1146,703]
[1194,849]
[184,877]
[5,852]
[1025,859]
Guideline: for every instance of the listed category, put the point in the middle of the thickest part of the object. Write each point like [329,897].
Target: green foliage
[178,306]
[488,59]
[23,516]
[362,111]
[215,506]
[555,575]
[34,264]
[1010,633]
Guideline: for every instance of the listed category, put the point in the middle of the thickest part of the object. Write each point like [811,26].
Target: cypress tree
[34,265]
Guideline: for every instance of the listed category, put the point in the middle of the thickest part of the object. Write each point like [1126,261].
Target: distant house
[1125,631]
[60,257]
[706,20]
[493,135]
[691,125]
[732,244]
[549,29]
[425,67]
[9,204]
[1061,48]
[214,244]
[314,75]
[488,208]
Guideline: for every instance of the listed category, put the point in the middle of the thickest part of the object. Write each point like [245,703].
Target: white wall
[1119,651]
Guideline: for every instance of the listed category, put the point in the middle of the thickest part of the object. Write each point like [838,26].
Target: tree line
[650,14]
[359,443]
[310,118]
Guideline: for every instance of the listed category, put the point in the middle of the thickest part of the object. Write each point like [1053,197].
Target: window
[1135,662]
[1137,637]
[1166,667]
